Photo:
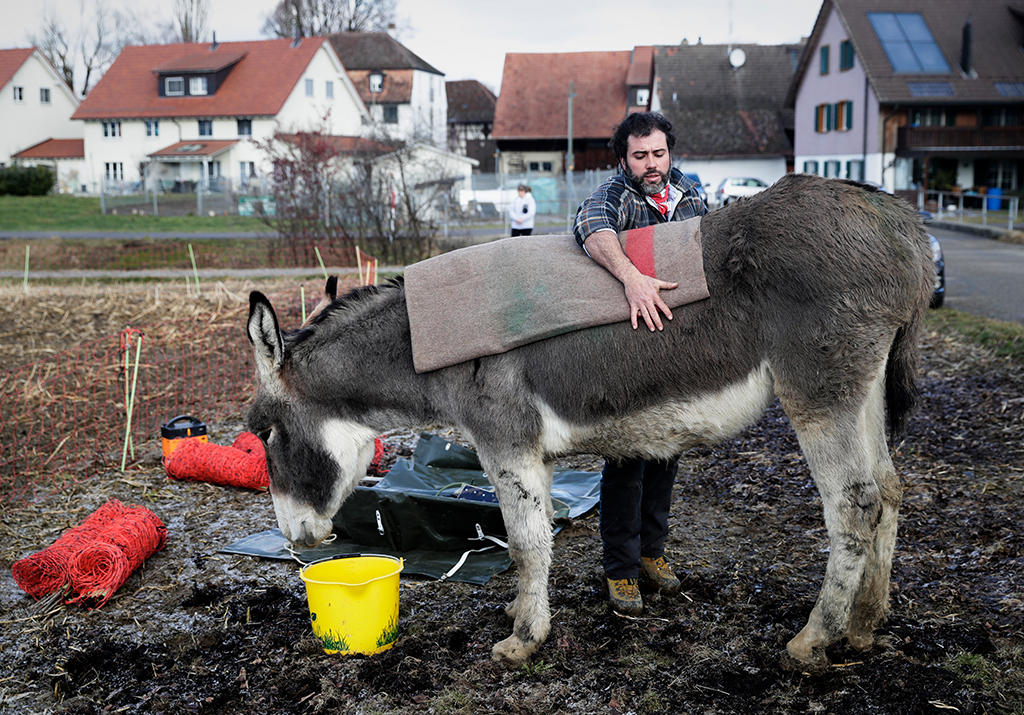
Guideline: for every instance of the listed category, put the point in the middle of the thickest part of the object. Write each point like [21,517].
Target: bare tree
[83,55]
[191,20]
[313,18]
[335,200]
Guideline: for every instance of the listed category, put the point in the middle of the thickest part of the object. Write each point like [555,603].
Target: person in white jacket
[523,209]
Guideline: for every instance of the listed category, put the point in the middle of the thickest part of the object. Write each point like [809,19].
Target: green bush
[26,180]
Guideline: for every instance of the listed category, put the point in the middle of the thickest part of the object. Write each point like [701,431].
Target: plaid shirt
[617,205]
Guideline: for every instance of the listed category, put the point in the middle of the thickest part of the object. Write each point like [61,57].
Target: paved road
[983,277]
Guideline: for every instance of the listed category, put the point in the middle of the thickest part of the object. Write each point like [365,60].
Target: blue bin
[994,201]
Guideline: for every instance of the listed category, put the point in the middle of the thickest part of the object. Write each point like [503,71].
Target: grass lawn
[82,213]
[1002,337]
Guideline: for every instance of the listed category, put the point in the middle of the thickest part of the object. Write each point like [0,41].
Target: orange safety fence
[64,418]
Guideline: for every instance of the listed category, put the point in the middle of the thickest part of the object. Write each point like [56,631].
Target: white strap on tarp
[480,536]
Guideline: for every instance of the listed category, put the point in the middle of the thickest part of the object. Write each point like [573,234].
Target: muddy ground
[198,631]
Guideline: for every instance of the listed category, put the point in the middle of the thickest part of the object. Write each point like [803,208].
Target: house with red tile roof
[909,93]
[471,122]
[65,157]
[183,114]
[35,104]
[404,94]
[531,118]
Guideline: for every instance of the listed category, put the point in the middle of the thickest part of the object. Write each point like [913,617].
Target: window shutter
[824,60]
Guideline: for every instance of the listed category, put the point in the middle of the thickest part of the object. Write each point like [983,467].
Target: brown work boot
[624,596]
[659,574]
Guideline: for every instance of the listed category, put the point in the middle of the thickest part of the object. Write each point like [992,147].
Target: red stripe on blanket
[640,249]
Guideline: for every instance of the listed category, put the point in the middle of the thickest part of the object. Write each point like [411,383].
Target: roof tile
[257,86]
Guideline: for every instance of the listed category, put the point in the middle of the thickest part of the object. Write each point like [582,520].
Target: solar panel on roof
[930,89]
[908,43]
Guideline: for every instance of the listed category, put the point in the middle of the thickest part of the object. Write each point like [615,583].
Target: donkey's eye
[264,435]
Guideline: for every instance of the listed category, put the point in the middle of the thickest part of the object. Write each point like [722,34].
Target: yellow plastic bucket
[353,601]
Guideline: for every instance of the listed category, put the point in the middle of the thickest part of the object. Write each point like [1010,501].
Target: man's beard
[643,186]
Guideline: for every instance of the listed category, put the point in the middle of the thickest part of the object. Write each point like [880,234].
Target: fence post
[199,198]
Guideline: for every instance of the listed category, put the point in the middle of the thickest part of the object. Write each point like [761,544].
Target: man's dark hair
[640,124]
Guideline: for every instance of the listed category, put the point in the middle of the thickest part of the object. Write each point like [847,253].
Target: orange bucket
[179,428]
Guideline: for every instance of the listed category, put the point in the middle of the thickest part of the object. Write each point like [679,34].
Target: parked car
[939,292]
[700,187]
[735,187]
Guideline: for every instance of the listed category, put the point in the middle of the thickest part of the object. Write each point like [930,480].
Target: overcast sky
[468,39]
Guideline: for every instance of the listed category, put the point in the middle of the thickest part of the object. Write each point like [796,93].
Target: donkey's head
[315,458]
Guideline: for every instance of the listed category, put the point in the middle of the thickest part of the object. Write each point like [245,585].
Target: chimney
[297,39]
[214,45]
[965,49]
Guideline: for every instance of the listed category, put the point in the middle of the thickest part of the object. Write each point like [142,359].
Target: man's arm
[642,291]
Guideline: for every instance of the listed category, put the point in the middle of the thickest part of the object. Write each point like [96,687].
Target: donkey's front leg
[524,496]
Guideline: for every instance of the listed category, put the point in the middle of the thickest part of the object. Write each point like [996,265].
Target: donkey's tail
[900,390]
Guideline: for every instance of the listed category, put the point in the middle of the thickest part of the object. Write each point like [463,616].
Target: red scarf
[661,200]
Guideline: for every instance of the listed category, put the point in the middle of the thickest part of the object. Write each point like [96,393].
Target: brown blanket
[486,299]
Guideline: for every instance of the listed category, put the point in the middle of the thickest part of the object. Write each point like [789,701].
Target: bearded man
[636,494]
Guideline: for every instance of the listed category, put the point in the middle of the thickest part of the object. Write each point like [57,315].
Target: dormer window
[174,86]
[376,82]
[197,86]
[643,96]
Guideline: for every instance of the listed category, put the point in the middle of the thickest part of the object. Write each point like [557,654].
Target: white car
[735,187]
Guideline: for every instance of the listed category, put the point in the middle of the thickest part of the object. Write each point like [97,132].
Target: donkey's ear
[331,289]
[265,336]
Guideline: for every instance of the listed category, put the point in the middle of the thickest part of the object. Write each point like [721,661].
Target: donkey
[818,291]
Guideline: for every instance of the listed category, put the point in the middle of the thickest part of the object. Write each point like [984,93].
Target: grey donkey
[818,292]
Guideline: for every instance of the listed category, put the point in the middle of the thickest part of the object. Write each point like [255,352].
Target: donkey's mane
[350,306]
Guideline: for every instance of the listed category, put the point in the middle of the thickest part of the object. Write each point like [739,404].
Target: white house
[181,114]
[404,94]
[35,103]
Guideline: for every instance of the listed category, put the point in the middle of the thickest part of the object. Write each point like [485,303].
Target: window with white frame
[174,86]
[245,127]
[309,88]
[810,167]
[329,89]
[247,170]
[390,113]
[197,86]
[832,169]
[112,128]
[19,94]
[643,96]
[113,171]
[206,127]
[855,170]
[44,95]
[152,127]
[376,82]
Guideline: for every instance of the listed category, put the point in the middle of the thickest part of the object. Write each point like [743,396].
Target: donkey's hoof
[860,640]
[804,655]
[511,651]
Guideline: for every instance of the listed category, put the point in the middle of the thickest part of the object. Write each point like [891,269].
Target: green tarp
[415,512]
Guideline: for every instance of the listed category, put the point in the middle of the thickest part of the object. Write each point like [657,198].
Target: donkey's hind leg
[523,488]
[840,457]
[871,605]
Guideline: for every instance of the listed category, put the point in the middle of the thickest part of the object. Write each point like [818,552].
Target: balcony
[950,141]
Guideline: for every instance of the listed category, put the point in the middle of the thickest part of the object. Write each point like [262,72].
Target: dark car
[939,293]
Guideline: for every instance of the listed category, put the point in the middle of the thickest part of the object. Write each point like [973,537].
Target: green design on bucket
[332,641]
[389,635]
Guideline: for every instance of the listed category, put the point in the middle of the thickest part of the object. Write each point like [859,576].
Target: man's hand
[644,296]
[643,293]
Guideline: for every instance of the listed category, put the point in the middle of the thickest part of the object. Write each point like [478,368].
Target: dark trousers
[522,231]
[636,496]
